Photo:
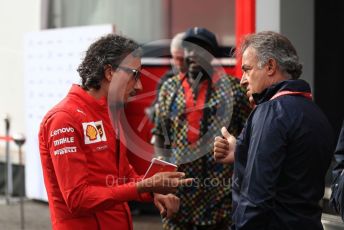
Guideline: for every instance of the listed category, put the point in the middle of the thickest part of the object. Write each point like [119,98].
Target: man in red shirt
[86,172]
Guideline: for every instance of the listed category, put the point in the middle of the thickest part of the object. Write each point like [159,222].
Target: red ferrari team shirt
[86,172]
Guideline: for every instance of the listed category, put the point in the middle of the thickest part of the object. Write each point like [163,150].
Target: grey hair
[177,41]
[272,45]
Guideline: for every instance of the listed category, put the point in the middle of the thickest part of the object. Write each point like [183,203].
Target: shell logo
[94,132]
[91,132]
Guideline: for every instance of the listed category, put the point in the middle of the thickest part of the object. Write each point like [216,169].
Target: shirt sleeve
[267,151]
[161,109]
[339,154]
[131,173]
[63,140]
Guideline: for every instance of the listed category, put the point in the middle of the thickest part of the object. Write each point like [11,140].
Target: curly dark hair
[108,50]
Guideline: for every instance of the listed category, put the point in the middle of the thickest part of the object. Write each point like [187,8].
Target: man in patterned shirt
[191,109]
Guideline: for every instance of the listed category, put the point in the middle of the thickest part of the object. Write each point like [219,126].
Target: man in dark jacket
[282,155]
[337,196]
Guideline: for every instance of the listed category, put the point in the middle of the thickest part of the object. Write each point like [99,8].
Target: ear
[271,67]
[107,73]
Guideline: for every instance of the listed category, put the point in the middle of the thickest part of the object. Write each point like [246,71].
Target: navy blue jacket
[337,196]
[281,159]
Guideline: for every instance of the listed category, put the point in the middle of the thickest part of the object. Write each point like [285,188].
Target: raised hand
[224,147]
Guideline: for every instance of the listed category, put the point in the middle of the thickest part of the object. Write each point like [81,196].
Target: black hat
[203,37]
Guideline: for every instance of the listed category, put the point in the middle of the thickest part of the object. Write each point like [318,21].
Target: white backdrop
[51,58]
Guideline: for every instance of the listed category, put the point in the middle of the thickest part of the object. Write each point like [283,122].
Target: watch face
[170,110]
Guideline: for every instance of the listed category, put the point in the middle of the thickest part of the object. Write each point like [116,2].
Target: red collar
[286,92]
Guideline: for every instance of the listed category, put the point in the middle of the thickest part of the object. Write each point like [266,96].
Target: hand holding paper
[162,178]
[158,165]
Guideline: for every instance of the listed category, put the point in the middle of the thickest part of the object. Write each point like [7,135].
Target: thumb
[225,133]
[161,208]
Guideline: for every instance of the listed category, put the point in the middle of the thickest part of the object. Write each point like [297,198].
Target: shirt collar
[83,96]
[290,85]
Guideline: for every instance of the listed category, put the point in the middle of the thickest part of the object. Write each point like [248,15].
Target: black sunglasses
[136,73]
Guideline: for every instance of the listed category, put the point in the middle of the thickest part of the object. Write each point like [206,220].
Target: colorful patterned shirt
[208,200]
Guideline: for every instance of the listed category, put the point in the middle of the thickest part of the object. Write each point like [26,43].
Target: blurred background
[43,41]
